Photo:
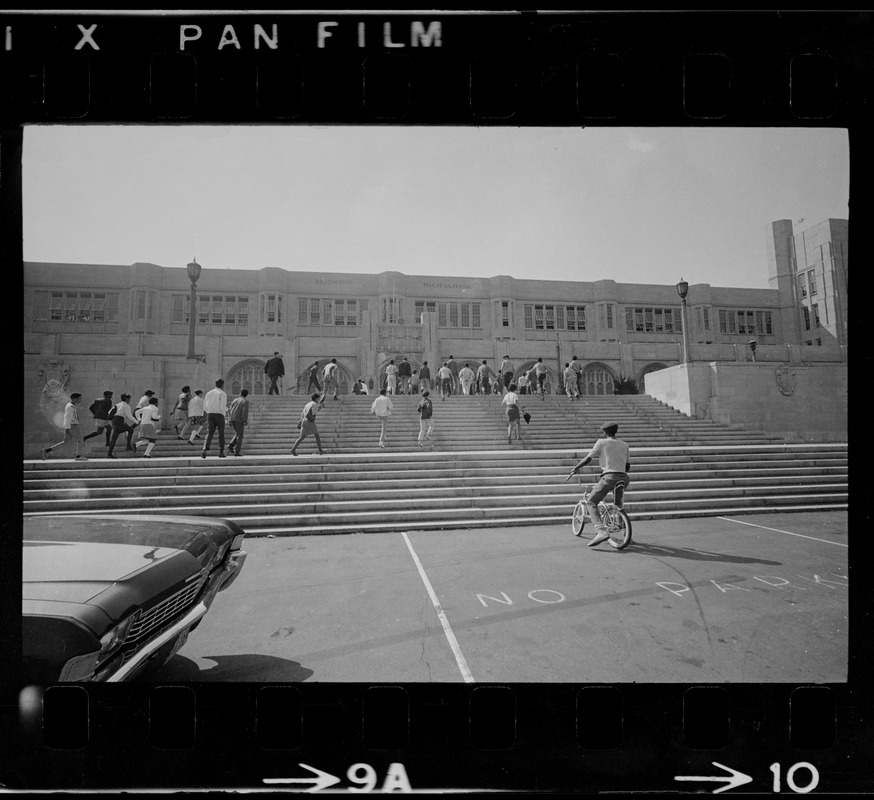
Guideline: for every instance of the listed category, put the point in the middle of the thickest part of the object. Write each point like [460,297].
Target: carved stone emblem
[55,375]
[787,380]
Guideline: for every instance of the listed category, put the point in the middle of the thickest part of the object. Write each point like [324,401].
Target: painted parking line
[447,628]
[778,530]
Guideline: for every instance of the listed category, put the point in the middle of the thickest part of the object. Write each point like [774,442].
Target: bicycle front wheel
[619,528]
[579,518]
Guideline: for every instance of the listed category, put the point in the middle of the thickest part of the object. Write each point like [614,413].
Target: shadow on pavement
[249,667]
[694,555]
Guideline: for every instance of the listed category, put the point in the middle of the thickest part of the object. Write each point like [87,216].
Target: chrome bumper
[232,568]
[153,646]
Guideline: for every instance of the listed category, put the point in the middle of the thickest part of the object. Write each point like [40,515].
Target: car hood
[74,572]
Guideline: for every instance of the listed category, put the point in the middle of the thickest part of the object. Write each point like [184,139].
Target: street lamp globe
[683,288]
[194,271]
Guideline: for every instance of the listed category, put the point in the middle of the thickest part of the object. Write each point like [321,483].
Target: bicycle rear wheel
[619,528]
[578,520]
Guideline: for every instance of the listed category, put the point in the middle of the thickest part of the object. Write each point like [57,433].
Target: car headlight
[115,637]
[238,541]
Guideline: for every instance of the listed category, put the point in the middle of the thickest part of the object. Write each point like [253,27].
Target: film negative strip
[297,731]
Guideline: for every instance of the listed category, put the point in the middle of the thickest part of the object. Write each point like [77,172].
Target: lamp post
[193,274]
[683,290]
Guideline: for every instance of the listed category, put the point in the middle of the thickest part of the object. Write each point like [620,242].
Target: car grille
[151,622]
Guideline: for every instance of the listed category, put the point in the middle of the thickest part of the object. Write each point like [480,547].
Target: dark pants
[118,428]
[274,389]
[237,441]
[215,421]
[107,429]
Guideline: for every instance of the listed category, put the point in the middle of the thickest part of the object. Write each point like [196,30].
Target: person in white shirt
[144,400]
[149,416]
[391,375]
[123,421]
[570,382]
[540,372]
[196,417]
[612,455]
[466,377]
[331,381]
[382,407]
[215,406]
[72,429]
[511,401]
[507,370]
[307,423]
[577,367]
[444,375]
[522,383]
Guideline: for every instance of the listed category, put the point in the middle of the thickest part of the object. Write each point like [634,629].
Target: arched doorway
[550,386]
[415,364]
[653,367]
[247,375]
[597,379]
[346,378]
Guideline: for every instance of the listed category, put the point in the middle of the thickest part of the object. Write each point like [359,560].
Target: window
[452,315]
[650,320]
[746,322]
[177,314]
[390,311]
[576,318]
[426,305]
[230,310]
[805,313]
[216,310]
[57,306]
[315,311]
[802,286]
[505,314]
[815,309]
[812,282]
[75,307]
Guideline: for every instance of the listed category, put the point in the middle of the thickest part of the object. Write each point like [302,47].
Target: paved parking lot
[760,598]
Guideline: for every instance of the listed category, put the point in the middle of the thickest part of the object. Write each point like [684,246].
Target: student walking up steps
[307,424]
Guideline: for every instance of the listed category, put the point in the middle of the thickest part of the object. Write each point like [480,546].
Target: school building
[91,327]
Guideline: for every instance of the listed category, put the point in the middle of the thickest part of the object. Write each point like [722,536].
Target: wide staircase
[469,476]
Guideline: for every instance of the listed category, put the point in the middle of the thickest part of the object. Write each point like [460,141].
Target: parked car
[107,596]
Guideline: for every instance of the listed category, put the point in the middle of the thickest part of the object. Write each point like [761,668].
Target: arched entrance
[247,375]
[345,377]
[597,379]
[653,367]
[551,385]
[414,362]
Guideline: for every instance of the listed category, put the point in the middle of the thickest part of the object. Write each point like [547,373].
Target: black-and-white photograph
[445,404]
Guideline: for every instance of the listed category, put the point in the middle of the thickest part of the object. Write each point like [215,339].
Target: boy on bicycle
[612,454]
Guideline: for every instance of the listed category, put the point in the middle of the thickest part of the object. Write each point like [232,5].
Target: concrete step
[60,488]
[474,517]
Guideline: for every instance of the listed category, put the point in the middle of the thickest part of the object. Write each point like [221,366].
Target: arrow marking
[322,779]
[733,780]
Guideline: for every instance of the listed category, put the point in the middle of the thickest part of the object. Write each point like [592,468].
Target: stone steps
[344,493]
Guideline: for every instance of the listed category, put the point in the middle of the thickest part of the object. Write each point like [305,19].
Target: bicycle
[615,519]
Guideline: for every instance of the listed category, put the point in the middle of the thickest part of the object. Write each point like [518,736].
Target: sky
[636,205]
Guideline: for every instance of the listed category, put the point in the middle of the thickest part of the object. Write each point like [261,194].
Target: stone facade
[125,327]
[805,402]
